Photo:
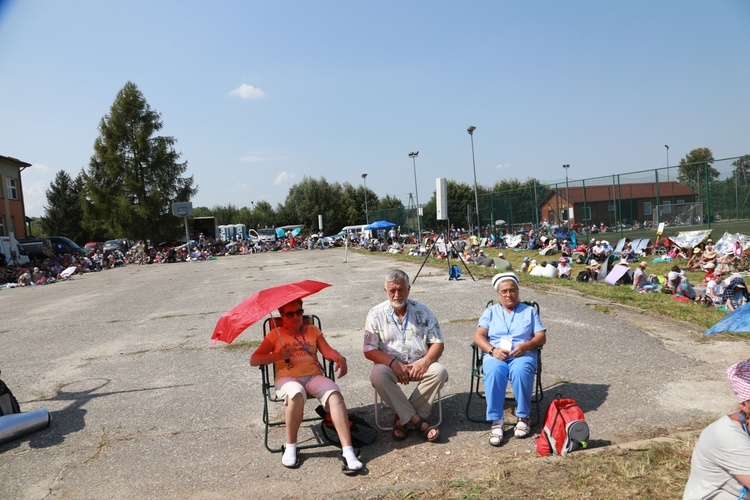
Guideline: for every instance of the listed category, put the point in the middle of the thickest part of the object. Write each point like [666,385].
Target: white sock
[352,462]
[290,455]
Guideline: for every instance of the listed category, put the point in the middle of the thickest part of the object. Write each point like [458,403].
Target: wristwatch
[491,351]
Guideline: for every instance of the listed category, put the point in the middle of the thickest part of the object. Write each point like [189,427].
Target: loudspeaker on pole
[441,197]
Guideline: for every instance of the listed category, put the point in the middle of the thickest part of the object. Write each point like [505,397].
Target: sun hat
[739,377]
[696,250]
[710,265]
[500,255]
[709,255]
[499,278]
[526,259]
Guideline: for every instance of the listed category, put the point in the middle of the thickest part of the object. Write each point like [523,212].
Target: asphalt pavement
[142,407]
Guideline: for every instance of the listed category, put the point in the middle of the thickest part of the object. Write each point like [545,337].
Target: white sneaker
[496,435]
[522,428]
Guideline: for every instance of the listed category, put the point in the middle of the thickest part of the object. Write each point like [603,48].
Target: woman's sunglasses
[291,314]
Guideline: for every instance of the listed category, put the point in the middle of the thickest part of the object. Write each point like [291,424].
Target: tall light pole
[413,155]
[567,190]
[367,213]
[471,130]
[667,147]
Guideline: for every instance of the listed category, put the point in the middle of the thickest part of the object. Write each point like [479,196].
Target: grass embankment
[659,303]
[658,472]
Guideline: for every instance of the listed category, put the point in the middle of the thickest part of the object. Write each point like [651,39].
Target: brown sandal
[426,432]
[398,428]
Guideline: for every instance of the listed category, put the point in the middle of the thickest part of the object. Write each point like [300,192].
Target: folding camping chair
[268,374]
[477,379]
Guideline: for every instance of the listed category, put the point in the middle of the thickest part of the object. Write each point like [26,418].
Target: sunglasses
[291,314]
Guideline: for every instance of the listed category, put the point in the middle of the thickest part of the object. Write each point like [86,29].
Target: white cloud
[36,180]
[259,156]
[247,91]
[502,166]
[283,178]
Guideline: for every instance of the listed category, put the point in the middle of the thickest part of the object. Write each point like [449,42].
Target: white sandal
[496,435]
[522,428]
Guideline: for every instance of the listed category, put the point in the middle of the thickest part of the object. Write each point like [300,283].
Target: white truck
[13,253]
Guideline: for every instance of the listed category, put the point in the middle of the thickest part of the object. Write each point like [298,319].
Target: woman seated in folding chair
[293,348]
[509,333]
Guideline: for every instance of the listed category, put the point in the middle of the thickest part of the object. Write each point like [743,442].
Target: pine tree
[64,212]
[134,175]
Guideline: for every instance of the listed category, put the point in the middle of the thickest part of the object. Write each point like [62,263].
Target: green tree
[134,175]
[64,211]
[696,166]
[312,197]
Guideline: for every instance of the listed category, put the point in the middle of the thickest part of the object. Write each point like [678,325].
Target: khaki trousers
[384,380]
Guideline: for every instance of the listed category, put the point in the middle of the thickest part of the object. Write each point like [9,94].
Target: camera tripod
[450,246]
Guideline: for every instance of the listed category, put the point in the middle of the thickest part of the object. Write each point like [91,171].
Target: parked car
[111,245]
[62,245]
[93,246]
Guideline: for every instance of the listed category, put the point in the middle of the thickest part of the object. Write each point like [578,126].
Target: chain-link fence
[684,195]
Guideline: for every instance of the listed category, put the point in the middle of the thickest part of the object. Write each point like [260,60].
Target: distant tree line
[134,176]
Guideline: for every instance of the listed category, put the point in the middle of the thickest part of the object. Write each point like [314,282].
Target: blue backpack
[454,272]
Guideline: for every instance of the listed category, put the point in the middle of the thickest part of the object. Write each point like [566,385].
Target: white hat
[710,265]
[499,278]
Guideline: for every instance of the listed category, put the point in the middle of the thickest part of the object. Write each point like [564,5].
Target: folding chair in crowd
[268,374]
[477,379]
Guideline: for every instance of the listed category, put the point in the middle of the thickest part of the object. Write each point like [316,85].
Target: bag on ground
[583,276]
[454,273]
[8,403]
[362,432]
[565,428]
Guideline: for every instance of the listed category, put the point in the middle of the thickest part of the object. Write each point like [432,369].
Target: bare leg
[340,418]
[294,413]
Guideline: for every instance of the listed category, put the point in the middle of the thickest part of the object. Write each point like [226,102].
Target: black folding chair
[268,374]
[477,379]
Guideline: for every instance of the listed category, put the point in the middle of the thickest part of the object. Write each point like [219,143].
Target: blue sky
[261,94]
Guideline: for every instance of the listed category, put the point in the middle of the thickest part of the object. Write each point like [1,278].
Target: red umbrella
[253,308]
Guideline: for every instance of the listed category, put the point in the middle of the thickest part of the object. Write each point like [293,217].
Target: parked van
[40,248]
[12,251]
[267,235]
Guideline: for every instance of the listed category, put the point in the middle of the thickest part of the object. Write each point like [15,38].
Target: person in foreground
[293,348]
[403,338]
[509,333]
[720,466]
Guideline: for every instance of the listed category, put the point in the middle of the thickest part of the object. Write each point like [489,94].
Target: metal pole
[567,192]
[471,130]
[367,212]
[667,147]
[736,192]
[413,155]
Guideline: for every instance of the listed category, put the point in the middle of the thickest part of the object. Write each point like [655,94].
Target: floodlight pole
[471,130]
[667,148]
[567,192]
[413,155]
[367,213]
